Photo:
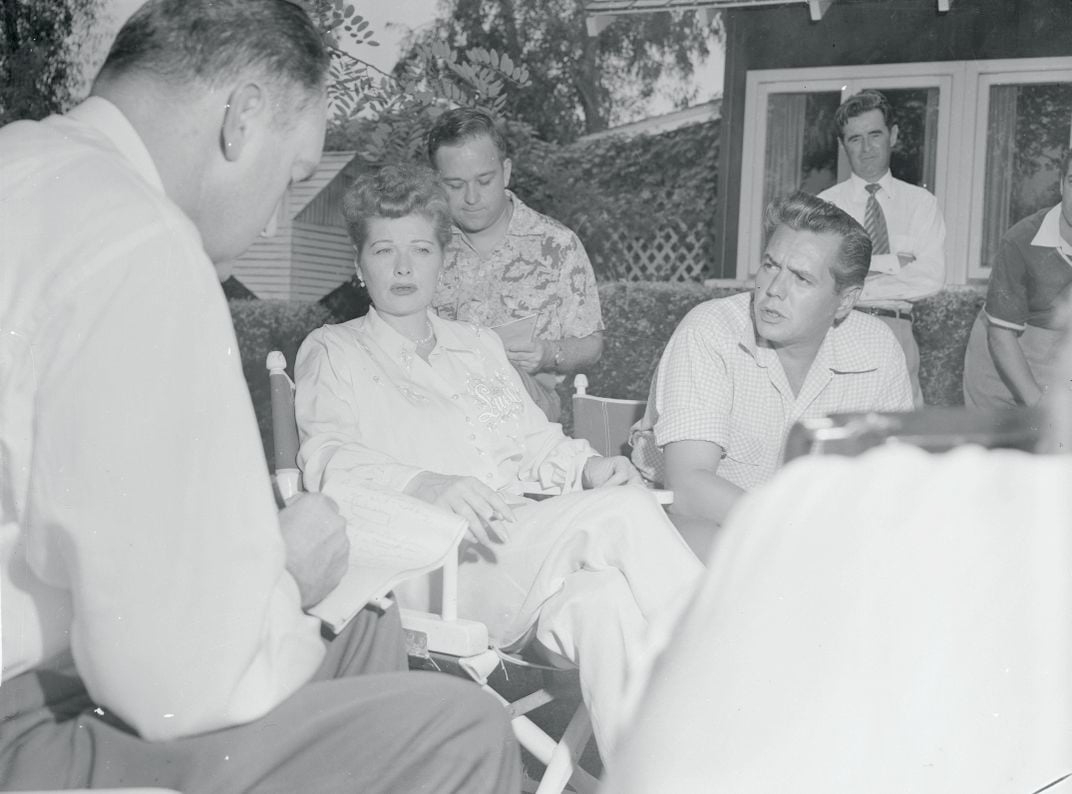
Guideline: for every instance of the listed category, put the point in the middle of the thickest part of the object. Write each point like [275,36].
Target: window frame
[981,76]
[963,109]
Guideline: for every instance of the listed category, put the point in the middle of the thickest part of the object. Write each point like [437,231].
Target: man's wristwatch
[560,358]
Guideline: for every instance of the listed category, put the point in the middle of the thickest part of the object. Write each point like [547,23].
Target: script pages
[393,537]
[517,331]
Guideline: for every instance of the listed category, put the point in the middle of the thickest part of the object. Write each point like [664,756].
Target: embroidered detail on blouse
[497,397]
[412,394]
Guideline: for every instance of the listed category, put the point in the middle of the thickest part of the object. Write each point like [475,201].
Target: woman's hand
[602,472]
[483,508]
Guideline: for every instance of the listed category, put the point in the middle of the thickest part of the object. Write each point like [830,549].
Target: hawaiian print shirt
[540,268]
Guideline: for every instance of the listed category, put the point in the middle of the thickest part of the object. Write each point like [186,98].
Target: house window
[1026,114]
[981,135]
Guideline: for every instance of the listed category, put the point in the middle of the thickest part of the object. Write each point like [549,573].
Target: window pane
[1027,129]
[915,111]
[801,147]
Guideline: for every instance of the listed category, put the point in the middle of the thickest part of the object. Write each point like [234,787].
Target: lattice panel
[668,254]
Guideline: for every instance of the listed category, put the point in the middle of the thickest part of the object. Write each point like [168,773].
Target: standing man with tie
[904,222]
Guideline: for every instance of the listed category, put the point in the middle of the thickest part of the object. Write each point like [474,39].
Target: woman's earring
[360,281]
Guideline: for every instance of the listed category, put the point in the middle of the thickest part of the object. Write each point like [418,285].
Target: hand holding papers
[393,537]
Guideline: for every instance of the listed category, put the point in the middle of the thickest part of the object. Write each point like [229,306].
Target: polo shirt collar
[1049,233]
[100,114]
[859,185]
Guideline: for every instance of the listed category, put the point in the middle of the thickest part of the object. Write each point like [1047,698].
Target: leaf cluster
[577,81]
[384,117]
[39,43]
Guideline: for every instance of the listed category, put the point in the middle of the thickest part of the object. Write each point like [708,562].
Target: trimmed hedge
[639,318]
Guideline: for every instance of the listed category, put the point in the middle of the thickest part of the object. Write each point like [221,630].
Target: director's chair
[446,641]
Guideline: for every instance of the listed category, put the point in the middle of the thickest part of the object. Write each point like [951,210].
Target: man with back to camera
[738,372]
[897,621]
[905,224]
[152,594]
[508,262]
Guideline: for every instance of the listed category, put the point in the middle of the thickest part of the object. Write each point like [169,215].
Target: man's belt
[897,314]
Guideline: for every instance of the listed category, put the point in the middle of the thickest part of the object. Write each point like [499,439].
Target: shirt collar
[523,220]
[385,336]
[845,351]
[100,114]
[859,185]
[1049,233]
[840,352]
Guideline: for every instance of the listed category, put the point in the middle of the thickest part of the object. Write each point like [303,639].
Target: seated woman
[1010,355]
[404,401]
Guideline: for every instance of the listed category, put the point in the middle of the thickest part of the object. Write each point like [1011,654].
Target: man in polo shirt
[904,222]
[739,371]
[509,267]
[1010,355]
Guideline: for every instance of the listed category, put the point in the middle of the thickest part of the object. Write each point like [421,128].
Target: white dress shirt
[915,227]
[137,526]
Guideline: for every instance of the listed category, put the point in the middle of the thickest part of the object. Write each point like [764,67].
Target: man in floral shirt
[508,266]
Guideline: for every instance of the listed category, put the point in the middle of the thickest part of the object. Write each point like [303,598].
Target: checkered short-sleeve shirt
[715,384]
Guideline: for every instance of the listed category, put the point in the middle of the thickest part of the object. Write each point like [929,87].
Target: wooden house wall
[323,259]
[867,32]
[264,268]
[326,207]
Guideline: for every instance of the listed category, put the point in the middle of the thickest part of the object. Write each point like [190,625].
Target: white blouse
[372,411]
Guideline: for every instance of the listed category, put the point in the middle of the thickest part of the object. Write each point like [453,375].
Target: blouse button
[472,437]
[454,396]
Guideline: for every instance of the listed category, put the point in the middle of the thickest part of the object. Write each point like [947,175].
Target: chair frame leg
[561,759]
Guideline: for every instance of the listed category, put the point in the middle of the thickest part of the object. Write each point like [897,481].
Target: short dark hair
[396,191]
[860,103]
[214,41]
[462,124]
[803,212]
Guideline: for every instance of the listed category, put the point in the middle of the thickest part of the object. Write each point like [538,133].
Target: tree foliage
[38,55]
[384,117]
[576,81]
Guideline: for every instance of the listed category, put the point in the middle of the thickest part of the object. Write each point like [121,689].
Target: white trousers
[583,574]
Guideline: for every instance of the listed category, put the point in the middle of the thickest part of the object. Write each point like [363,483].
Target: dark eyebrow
[796,271]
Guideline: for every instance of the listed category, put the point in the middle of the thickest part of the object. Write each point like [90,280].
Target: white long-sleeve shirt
[915,227]
[373,413]
[138,531]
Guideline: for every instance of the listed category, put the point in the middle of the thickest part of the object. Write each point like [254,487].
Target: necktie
[875,223]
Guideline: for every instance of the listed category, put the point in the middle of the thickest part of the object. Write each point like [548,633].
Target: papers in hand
[517,332]
[393,537]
